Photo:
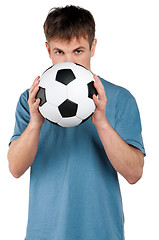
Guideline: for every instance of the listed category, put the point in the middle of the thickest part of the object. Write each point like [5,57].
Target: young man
[74,189]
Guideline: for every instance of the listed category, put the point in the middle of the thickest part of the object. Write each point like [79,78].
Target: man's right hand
[36,119]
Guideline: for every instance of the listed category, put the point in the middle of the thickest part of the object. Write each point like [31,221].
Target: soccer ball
[65,92]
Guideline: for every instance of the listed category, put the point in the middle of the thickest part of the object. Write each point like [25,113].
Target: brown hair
[68,22]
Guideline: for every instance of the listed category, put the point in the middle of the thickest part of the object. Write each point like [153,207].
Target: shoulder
[116,92]
[119,100]
[25,95]
[23,101]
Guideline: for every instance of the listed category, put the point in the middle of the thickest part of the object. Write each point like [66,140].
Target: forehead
[72,44]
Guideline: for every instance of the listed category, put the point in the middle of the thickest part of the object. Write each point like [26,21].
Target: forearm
[126,160]
[22,151]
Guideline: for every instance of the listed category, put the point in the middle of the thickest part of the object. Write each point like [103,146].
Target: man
[74,189]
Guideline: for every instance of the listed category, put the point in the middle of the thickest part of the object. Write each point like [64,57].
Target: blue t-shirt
[74,189]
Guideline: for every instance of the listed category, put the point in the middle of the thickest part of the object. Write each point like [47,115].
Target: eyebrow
[81,47]
[58,49]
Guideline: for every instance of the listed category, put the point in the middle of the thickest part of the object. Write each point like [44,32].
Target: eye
[78,51]
[59,52]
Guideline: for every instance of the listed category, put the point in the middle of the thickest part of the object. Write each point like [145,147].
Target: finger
[95,99]
[35,106]
[36,79]
[97,80]
[36,103]
[100,90]
[32,95]
[34,92]
[35,83]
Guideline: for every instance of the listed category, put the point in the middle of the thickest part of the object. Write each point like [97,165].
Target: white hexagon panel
[85,108]
[56,93]
[77,91]
[69,122]
[50,112]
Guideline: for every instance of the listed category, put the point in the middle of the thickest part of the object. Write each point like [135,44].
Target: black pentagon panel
[65,76]
[41,94]
[68,109]
[91,89]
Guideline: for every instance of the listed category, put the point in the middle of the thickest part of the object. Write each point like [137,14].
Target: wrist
[35,125]
[102,125]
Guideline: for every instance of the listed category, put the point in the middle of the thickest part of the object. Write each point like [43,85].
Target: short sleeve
[22,116]
[128,122]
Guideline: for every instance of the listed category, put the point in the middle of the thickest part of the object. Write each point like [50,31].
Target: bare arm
[22,151]
[126,160]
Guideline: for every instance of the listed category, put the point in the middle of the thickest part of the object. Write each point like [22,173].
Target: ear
[93,47]
[48,48]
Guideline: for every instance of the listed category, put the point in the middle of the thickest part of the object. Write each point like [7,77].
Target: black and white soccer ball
[65,92]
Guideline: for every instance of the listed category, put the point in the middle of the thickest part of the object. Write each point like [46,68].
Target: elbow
[135,177]
[13,171]
[12,168]
[15,175]
[133,180]
[136,173]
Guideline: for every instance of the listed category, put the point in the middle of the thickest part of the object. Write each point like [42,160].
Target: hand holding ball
[65,92]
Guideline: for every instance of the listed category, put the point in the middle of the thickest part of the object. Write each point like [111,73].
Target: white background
[127,54]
